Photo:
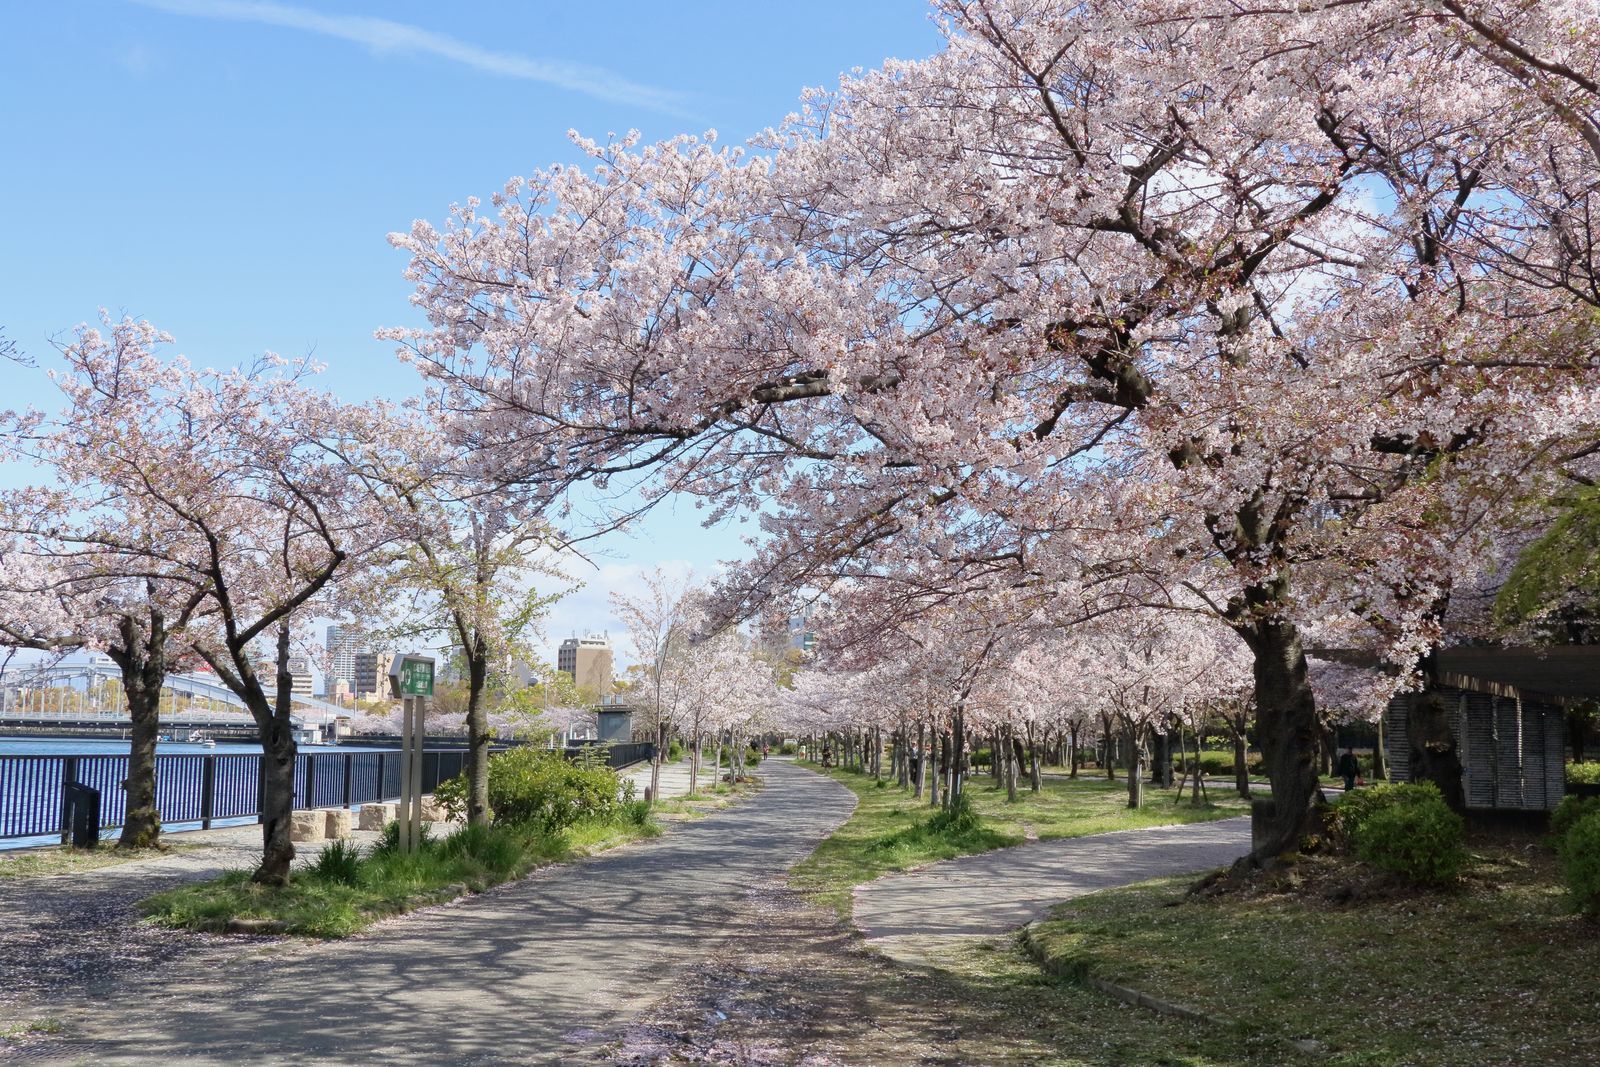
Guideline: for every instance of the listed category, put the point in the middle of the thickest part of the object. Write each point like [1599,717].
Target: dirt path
[540,971]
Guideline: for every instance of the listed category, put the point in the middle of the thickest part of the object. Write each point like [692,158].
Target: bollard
[647,797]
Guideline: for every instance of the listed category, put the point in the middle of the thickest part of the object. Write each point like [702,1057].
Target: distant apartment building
[352,660]
[587,660]
[300,671]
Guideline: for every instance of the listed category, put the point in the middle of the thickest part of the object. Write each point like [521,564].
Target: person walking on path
[1349,767]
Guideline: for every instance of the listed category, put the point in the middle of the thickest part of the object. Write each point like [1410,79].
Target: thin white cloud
[386,36]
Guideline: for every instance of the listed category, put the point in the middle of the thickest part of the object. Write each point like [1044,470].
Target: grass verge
[704,801]
[1500,971]
[43,862]
[889,831]
[345,889]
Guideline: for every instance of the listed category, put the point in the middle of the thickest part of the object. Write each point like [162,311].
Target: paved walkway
[538,971]
[990,893]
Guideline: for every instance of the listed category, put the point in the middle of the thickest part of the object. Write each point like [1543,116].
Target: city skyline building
[587,660]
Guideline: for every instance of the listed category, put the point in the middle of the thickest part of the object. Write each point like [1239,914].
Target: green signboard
[412,676]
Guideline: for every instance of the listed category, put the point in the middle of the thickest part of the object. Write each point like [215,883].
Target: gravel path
[539,971]
[996,891]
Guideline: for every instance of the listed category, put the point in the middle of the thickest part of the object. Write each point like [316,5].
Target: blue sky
[229,169]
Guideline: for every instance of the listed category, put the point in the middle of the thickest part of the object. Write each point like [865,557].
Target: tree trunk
[694,758]
[1288,731]
[1073,756]
[934,771]
[142,660]
[921,775]
[958,754]
[1034,778]
[1135,767]
[1108,741]
[278,752]
[1380,762]
[1241,757]
[477,733]
[1011,765]
[1435,751]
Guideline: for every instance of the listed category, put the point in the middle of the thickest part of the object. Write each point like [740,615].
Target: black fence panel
[202,788]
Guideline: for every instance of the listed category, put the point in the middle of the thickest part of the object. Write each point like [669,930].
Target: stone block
[377,816]
[338,823]
[432,810]
[307,826]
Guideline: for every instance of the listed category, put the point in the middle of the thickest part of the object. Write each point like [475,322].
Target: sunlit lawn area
[705,800]
[1500,971]
[888,831]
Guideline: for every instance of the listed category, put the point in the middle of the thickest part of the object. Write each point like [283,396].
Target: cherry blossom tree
[1267,303]
[221,484]
[658,627]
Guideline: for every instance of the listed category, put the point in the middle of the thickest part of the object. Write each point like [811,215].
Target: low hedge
[1583,773]
[1580,863]
[1405,828]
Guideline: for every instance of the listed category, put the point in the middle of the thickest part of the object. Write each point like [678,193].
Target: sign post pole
[411,679]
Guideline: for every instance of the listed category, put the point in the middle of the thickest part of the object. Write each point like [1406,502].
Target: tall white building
[351,660]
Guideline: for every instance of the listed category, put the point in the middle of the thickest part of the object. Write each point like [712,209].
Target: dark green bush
[674,750]
[539,788]
[1568,812]
[1580,863]
[982,757]
[1353,809]
[1421,840]
[752,758]
[337,864]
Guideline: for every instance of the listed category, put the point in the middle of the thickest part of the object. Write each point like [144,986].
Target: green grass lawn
[336,895]
[1499,971]
[888,831]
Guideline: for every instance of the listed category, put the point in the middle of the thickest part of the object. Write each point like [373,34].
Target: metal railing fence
[202,788]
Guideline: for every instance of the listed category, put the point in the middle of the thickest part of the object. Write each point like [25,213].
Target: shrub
[958,817]
[541,789]
[1568,812]
[788,748]
[337,864]
[390,842]
[1212,763]
[982,757]
[1420,839]
[1583,773]
[752,758]
[1353,809]
[1580,863]
[674,750]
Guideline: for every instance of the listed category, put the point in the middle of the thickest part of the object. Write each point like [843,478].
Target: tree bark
[1073,756]
[141,658]
[278,751]
[477,656]
[1288,731]
[1241,756]
[1034,778]
[1380,762]
[1135,768]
